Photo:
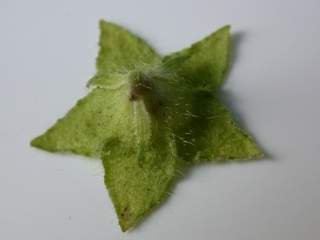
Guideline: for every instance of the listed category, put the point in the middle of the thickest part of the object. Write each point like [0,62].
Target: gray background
[47,53]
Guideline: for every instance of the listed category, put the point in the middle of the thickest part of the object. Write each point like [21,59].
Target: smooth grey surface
[47,53]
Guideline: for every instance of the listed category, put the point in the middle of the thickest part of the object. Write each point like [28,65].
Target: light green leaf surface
[212,135]
[120,51]
[145,116]
[139,173]
[208,60]
[86,126]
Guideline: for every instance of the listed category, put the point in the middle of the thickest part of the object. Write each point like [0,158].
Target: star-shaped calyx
[148,116]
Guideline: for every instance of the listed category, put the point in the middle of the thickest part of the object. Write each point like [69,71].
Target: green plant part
[148,116]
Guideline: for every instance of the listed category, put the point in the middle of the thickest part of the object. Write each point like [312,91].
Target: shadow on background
[230,100]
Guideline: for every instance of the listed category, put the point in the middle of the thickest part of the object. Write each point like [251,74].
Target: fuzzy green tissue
[148,116]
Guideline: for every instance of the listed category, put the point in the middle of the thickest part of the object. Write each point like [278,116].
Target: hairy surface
[147,116]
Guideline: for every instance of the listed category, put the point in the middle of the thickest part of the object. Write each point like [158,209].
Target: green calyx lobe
[146,116]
